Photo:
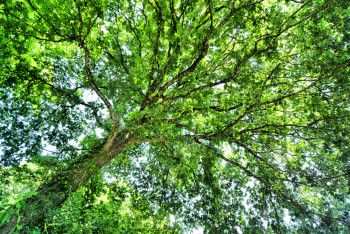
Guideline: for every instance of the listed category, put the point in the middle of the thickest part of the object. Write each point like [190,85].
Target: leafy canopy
[240,108]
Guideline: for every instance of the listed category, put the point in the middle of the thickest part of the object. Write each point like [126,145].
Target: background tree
[228,114]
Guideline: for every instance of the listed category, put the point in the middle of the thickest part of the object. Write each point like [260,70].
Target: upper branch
[95,88]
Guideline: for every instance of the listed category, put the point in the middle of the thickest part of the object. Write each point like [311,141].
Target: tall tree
[228,114]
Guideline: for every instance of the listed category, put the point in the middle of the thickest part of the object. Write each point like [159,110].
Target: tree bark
[52,194]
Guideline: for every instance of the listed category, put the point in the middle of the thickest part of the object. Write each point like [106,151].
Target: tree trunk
[52,194]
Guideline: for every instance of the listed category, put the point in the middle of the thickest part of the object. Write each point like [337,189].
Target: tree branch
[94,86]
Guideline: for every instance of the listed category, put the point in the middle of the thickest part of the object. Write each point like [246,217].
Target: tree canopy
[229,115]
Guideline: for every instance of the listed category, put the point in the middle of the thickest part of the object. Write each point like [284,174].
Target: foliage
[97,207]
[230,115]
[92,210]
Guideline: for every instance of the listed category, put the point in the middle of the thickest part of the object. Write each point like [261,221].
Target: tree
[228,114]
[96,207]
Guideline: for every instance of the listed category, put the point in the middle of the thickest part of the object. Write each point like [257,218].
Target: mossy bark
[53,193]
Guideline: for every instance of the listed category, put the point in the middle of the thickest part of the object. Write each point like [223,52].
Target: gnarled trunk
[52,194]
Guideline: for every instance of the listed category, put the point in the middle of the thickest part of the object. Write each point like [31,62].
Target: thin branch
[94,86]
[230,161]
